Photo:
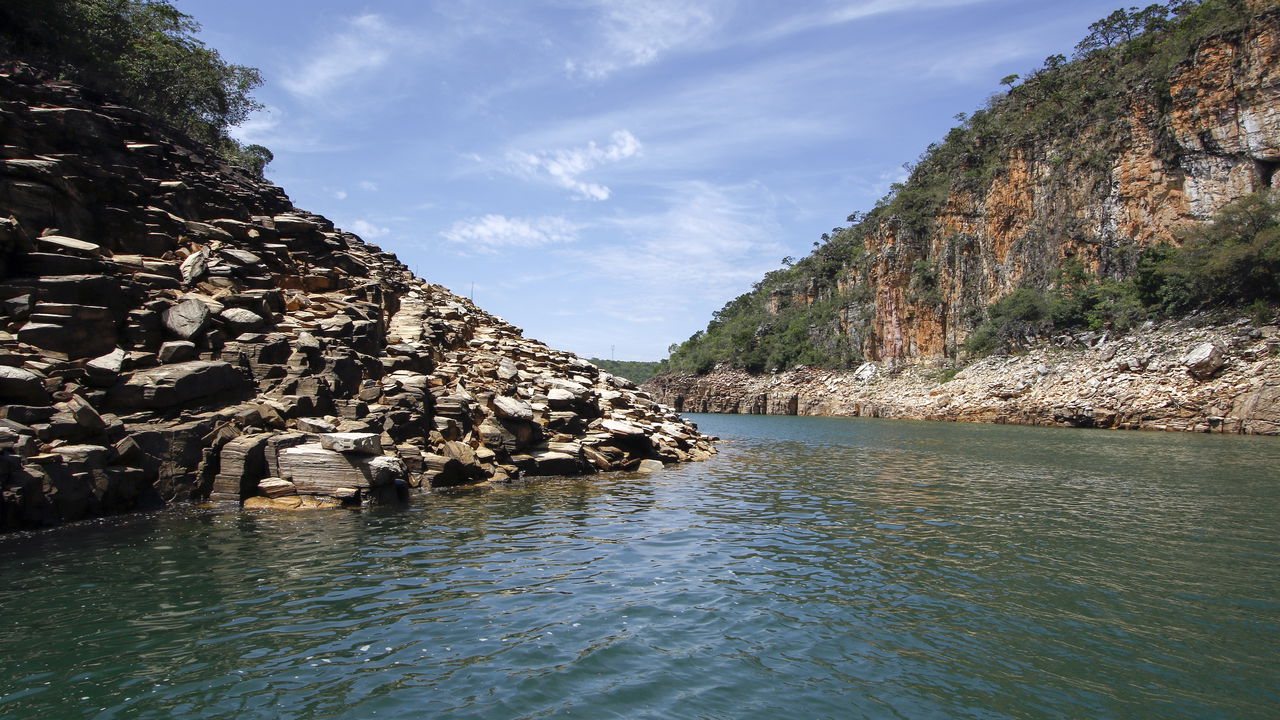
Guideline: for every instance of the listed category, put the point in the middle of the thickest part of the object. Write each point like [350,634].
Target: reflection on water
[817,568]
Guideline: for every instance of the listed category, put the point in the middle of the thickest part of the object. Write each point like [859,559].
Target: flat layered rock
[170,385]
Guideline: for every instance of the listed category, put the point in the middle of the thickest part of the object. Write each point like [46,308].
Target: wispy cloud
[707,243]
[492,233]
[368,230]
[975,64]
[839,13]
[564,167]
[368,186]
[364,43]
[633,33]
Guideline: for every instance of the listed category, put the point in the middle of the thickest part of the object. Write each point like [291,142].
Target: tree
[143,50]
[1009,80]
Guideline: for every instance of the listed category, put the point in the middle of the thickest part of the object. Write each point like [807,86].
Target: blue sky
[606,174]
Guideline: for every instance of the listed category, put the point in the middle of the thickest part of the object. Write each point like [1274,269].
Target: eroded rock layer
[1172,377]
[172,329]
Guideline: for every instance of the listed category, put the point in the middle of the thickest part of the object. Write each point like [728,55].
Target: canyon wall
[1150,172]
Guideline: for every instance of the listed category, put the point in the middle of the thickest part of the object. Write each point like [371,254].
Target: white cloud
[636,32]
[976,64]
[563,167]
[844,12]
[366,42]
[491,233]
[368,230]
[707,244]
[368,186]
[339,194]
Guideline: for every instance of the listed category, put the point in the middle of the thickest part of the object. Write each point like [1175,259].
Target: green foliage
[637,371]
[1232,262]
[145,51]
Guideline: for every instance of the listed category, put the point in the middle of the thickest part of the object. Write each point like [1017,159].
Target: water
[819,567]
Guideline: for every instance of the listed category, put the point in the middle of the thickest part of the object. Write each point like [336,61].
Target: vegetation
[817,310]
[637,371]
[1232,262]
[146,52]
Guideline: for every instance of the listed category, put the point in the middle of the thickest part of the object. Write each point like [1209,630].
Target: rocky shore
[172,329]
[1176,376]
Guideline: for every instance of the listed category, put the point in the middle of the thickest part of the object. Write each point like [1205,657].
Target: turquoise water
[818,567]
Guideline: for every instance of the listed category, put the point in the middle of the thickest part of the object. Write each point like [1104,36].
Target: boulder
[509,408]
[240,320]
[21,385]
[317,471]
[176,351]
[352,442]
[1203,360]
[170,385]
[186,319]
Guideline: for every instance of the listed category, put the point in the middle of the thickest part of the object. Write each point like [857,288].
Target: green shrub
[145,51]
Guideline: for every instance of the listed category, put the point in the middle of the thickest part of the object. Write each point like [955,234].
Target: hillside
[1065,194]
[172,328]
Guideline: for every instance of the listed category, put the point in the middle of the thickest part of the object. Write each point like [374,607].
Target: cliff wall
[172,329]
[1059,185]
[1173,157]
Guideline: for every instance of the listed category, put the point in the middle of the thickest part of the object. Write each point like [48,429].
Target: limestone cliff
[172,329]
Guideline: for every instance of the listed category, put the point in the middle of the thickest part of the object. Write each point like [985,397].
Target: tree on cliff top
[145,51]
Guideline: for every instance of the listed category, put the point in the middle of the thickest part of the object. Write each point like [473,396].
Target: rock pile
[172,329]
[1183,376]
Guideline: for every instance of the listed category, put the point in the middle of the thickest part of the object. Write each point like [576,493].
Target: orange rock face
[1041,208]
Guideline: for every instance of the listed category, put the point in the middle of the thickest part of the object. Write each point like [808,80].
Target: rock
[1203,360]
[292,502]
[351,442]
[315,425]
[276,487]
[176,351]
[194,266]
[21,385]
[624,429]
[170,385]
[242,464]
[315,470]
[240,320]
[110,364]
[84,413]
[57,243]
[512,408]
[186,319]
[560,398]
[648,466]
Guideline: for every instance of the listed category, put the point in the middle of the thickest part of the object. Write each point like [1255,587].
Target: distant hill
[637,371]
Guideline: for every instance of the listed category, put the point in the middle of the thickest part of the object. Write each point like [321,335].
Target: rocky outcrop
[172,329]
[1096,197]
[1173,377]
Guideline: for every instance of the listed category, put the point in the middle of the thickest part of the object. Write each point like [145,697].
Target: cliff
[1039,226]
[1074,173]
[172,329]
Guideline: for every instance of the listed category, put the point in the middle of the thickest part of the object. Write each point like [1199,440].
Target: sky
[606,174]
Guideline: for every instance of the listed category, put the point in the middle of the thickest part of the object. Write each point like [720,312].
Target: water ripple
[817,568]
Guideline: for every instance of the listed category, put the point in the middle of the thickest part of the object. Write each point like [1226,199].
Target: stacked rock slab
[172,329]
